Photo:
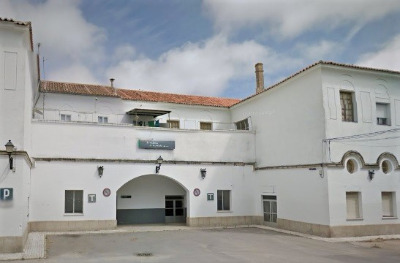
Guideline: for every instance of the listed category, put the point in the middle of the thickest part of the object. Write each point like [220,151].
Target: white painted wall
[302,195]
[14,213]
[288,120]
[87,108]
[47,203]
[17,75]
[340,182]
[70,140]
[369,87]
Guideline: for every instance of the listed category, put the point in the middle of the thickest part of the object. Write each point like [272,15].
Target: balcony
[141,119]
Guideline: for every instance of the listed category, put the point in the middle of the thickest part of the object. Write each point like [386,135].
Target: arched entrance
[151,199]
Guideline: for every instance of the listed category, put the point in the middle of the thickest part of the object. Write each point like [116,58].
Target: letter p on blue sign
[6,194]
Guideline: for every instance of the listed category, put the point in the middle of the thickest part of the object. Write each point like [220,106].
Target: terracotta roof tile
[137,95]
[77,89]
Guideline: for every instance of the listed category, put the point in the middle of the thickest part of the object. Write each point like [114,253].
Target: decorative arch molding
[355,155]
[66,107]
[390,156]
[160,175]
[347,85]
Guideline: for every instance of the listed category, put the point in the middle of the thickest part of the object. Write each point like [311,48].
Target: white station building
[316,153]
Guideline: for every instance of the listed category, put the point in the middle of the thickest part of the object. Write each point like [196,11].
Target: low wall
[60,226]
[223,221]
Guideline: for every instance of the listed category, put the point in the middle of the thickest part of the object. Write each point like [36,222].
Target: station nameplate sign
[159,145]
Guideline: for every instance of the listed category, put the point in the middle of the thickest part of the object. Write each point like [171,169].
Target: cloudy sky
[205,47]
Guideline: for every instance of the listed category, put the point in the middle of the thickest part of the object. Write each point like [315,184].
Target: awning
[148,112]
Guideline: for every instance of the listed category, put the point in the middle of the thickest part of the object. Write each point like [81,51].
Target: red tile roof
[175,98]
[77,89]
[137,95]
[20,23]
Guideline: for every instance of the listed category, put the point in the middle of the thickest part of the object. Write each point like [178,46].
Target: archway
[151,199]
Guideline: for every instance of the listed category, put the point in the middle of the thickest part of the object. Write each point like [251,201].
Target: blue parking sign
[6,194]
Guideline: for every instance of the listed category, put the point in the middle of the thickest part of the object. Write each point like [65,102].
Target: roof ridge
[179,94]
[137,90]
[320,62]
[133,94]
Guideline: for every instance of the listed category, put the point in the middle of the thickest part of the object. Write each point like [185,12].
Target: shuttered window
[387,204]
[353,205]
[173,124]
[383,114]
[206,126]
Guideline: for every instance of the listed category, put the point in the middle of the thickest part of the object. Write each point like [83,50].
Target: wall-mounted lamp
[203,173]
[159,162]
[9,149]
[100,170]
[371,174]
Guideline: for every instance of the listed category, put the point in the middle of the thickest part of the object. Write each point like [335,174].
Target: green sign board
[158,145]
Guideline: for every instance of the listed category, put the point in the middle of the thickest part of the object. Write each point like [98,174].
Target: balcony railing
[62,116]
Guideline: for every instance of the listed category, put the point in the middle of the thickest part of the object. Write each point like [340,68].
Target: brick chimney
[259,77]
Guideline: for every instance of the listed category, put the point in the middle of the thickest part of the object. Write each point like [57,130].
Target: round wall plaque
[196,192]
[106,192]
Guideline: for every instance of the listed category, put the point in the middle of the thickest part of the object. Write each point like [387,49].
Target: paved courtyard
[212,245]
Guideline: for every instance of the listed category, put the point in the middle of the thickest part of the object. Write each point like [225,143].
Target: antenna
[44,72]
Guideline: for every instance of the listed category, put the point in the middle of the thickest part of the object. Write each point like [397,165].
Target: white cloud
[66,37]
[195,68]
[388,57]
[321,50]
[77,73]
[290,18]
[124,52]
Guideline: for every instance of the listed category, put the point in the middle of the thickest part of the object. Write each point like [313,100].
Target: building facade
[316,153]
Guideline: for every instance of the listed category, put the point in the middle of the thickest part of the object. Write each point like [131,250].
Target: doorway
[270,209]
[174,209]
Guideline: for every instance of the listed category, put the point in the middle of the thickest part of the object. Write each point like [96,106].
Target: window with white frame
[348,106]
[353,205]
[388,199]
[223,200]
[102,119]
[270,208]
[73,202]
[243,125]
[383,113]
[65,117]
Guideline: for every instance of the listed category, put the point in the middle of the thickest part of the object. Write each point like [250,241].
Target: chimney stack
[112,86]
[259,77]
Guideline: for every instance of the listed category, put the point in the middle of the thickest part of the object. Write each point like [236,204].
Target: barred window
[347,104]
[242,125]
